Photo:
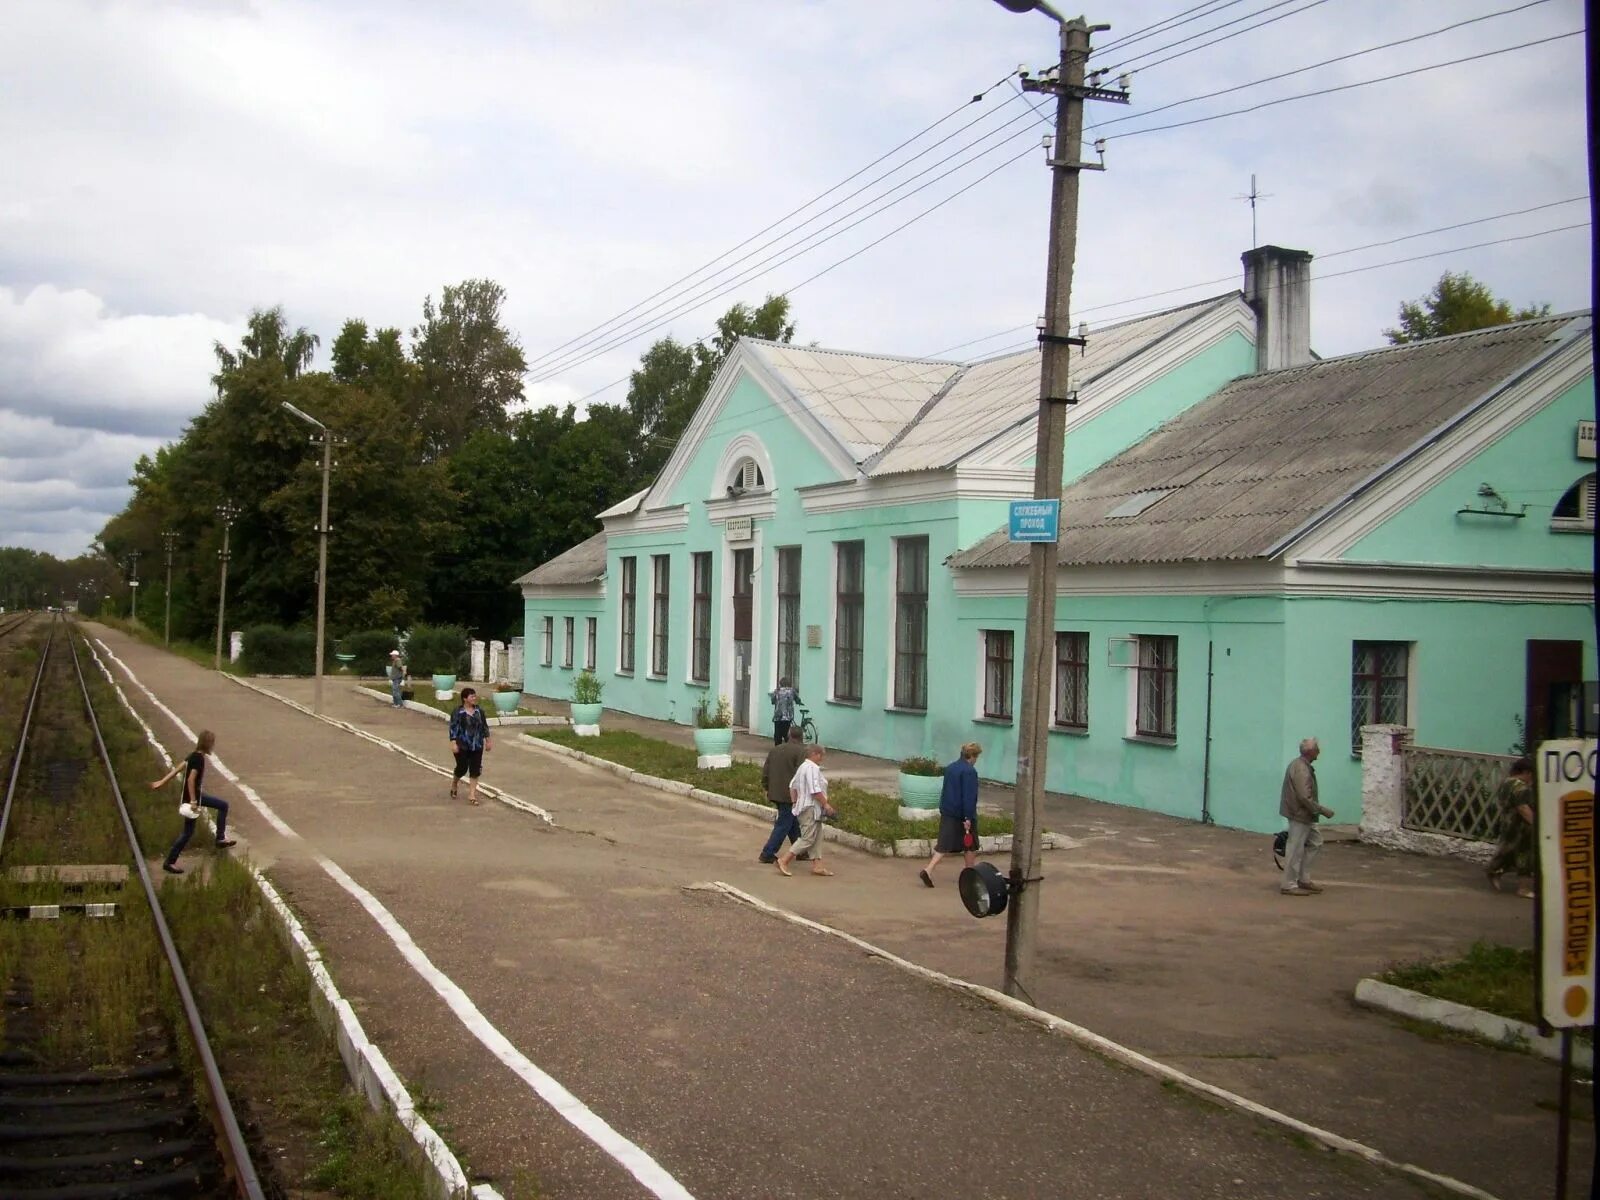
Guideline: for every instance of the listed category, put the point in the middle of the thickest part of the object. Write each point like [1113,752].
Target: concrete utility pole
[133,583]
[326,439]
[229,514]
[168,539]
[1055,393]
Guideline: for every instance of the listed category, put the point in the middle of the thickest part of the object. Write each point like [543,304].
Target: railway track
[11,622]
[108,1114]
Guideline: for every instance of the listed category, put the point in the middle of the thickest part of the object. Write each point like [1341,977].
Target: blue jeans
[394,690]
[188,826]
[784,825]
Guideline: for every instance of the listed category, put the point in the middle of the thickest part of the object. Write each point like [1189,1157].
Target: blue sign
[1035,520]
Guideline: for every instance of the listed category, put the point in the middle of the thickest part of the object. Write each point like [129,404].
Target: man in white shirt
[809,790]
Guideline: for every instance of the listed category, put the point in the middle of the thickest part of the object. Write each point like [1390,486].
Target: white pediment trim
[963,482]
[565,591]
[1505,406]
[746,361]
[672,518]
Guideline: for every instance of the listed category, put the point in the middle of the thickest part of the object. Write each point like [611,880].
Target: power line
[1166,25]
[791,213]
[1345,87]
[1125,63]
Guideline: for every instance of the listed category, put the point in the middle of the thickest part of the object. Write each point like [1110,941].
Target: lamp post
[326,438]
[228,513]
[133,584]
[168,539]
[1055,394]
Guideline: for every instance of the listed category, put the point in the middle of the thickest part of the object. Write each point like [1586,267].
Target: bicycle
[808,727]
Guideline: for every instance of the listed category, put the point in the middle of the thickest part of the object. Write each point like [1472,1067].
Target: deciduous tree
[1458,303]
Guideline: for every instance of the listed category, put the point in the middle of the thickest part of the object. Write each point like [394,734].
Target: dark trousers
[780,731]
[784,825]
[188,826]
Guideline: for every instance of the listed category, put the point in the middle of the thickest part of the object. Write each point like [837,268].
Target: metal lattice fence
[1452,791]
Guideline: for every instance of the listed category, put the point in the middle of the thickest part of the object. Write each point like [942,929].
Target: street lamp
[227,513]
[984,892]
[168,539]
[326,438]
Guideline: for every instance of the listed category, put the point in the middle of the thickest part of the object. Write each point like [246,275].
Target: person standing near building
[809,789]
[784,698]
[397,677]
[194,799]
[1514,850]
[958,813]
[469,742]
[782,763]
[1299,803]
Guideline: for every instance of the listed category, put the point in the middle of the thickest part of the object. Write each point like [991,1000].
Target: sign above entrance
[1035,520]
[738,529]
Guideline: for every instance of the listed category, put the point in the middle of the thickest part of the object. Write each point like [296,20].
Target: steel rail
[22,738]
[235,1152]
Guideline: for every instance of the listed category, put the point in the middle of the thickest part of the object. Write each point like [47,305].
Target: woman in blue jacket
[958,813]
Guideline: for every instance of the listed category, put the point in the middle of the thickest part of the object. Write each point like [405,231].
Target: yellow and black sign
[1566,772]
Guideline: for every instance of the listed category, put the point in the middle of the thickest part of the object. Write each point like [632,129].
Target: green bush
[918,765]
[586,688]
[437,650]
[274,650]
[371,648]
[713,716]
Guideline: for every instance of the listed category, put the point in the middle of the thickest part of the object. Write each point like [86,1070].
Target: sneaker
[224,843]
[769,859]
[1314,888]
[1294,891]
[171,870]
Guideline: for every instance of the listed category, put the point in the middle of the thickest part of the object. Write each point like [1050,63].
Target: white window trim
[983,676]
[569,644]
[650,671]
[833,621]
[591,646]
[711,621]
[1581,523]
[1410,720]
[1131,725]
[547,640]
[622,594]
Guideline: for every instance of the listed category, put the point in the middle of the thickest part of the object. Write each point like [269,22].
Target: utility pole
[228,514]
[133,584]
[1055,393]
[168,539]
[326,438]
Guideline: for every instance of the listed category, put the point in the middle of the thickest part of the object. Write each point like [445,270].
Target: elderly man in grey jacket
[1298,802]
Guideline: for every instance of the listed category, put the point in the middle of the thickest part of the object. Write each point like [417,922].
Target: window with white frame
[547,639]
[789,614]
[568,631]
[1380,686]
[911,622]
[1574,512]
[591,636]
[700,635]
[1072,681]
[849,608]
[660,606]
[1156,695]
[746,476]
[998,656]
[625,614]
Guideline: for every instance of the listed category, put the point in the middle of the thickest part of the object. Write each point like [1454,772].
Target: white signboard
[738,529]
[1585,439]
[1566,771]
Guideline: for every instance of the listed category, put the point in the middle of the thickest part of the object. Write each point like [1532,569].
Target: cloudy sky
[170,164]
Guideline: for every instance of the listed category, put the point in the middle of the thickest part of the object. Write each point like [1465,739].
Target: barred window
[566,641]
[847,625]
[789,614]
[660,607]
[700,664]
[625,618]
[1378,686]
[1157,707]
[911,623]
[547,639]
[1072,680]
[591,637]
[997,673]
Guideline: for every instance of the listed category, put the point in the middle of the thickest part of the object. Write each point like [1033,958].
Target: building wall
[555,679]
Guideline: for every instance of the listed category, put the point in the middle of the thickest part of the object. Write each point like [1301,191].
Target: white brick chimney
[1277,286]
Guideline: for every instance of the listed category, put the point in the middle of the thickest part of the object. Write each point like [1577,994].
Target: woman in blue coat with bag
[958,813]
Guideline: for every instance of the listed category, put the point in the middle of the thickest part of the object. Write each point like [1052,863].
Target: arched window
[746,476]
[1575,509]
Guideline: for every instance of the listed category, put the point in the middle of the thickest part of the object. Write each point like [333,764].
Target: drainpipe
[1205,773]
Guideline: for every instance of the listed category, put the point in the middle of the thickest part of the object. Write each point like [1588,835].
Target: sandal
[452,791]
[821,871]
[473,802]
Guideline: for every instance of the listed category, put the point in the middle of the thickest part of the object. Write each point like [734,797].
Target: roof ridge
[916,418]
[901,358]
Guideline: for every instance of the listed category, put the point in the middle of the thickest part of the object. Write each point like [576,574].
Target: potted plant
[921,783]
[444,685]
[713,734]
[586,689]
[507,697]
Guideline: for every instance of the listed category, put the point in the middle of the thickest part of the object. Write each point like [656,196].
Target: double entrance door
[744,567]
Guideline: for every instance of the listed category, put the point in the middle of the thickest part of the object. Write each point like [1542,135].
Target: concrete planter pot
[714,748]
[506,703]
[919,796]
[444,686]
[586,719]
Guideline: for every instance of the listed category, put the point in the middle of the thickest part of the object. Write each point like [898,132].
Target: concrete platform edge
[1373,993]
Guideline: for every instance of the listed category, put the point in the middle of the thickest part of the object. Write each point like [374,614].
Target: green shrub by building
[437,650]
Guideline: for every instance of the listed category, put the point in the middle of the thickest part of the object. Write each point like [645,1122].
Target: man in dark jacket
[782,762]
[1299,803]
[958,813]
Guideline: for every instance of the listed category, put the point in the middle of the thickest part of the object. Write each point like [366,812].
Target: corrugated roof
[584,563]
[1259,459]
[921,414]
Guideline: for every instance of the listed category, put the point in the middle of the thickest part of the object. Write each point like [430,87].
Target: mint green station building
[1257,546]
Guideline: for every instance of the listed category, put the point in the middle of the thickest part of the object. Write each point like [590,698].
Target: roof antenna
[1253,195]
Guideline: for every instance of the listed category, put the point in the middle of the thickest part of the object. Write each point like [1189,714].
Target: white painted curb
[1105,1047]
[365,1065]
[495,719]
[1461,1017]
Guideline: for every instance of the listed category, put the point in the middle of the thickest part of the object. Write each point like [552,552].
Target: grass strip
[1495,979]
[426,695]
[870,814]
